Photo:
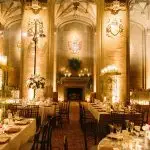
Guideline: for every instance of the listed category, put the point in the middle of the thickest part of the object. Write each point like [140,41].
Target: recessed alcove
[74,93]
[74,88]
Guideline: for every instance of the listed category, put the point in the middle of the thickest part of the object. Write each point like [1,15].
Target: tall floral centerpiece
[36,82]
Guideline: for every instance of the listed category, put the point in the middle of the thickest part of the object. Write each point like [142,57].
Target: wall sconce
[114,27]
[3,60]
[75,45]
[115,6]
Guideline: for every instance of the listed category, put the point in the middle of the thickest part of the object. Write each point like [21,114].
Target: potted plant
[74,65]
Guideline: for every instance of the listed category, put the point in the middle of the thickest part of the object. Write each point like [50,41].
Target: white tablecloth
[95,112]
[20,138]
[44,111]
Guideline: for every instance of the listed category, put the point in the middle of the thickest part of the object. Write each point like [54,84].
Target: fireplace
[74,93]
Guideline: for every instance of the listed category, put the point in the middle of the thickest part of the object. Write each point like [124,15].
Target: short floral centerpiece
[36,82]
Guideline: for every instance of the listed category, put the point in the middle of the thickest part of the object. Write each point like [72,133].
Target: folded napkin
[12,129]
[22,122]
[4,139]
[115,136]
[18,118]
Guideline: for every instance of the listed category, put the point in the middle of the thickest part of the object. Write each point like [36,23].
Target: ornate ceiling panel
[140,12]
[10,12]
[75,10]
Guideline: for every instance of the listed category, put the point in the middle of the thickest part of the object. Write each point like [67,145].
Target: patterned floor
[72,131]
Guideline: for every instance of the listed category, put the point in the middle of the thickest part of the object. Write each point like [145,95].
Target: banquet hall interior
[74,74]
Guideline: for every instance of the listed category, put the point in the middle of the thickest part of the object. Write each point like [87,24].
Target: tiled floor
[72,131]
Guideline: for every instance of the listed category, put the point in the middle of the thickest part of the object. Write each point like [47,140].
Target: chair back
[65,143]
[42,139]
[32,111]
[118,117]
[137,118]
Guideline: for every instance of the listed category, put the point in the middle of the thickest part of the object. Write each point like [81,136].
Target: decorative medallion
[114,27]
[75,45]
[115,6]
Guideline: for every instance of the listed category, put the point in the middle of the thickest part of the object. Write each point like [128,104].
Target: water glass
[131,126]
[118,128]
[111,128]
[127,124]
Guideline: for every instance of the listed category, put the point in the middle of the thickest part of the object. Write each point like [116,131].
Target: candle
[105,99]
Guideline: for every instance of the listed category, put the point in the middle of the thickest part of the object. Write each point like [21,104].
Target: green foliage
[74,64]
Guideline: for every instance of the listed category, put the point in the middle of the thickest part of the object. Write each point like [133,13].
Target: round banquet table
[123,141]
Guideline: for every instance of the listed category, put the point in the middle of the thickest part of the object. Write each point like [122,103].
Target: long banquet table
[103,118]
[44,109]
[21,137]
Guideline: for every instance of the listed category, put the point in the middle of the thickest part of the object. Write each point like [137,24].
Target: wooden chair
[65,110]
[32,111]
[13,108]
[89,125]
[137,118]
[42,139]
[146,114]
[65,143]
[118,117]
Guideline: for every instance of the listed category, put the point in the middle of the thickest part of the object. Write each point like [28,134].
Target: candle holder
[35,30]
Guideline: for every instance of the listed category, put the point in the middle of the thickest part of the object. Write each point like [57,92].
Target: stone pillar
[114,47]
[55,63]
[147,59]
[28,48]
[99,38]
[50,56]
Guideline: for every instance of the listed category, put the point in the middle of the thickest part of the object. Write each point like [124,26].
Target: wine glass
[118,128]
[111,128]
[127,124]
[137,129]
[131,126]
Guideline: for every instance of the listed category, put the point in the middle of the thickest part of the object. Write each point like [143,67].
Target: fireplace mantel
[75,80]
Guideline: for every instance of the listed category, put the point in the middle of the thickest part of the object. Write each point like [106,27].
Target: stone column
[28,48]
[50,56]
[99,52]
[114,47]
[55,63]
[147,68]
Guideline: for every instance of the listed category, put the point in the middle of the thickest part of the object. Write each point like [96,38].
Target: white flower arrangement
[36,82]
[146,127]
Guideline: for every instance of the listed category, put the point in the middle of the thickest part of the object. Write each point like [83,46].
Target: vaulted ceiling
[10,12]
[75,10]
[140,12]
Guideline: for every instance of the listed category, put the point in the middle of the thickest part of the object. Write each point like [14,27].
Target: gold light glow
[3,60]
[30,94]
[74,42]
